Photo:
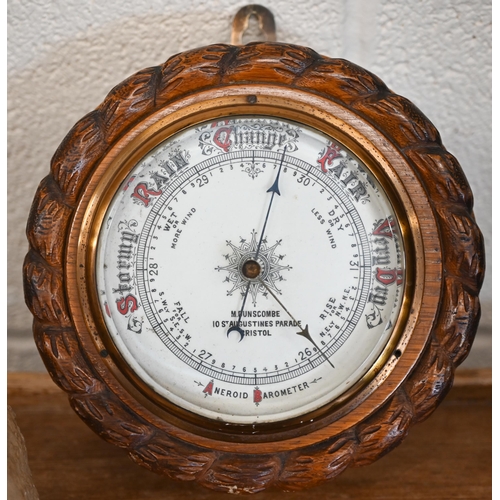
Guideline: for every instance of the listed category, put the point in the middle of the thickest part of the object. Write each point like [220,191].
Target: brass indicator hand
[304,332]
[274,189]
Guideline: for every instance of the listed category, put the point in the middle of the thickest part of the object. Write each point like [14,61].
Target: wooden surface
[446,457]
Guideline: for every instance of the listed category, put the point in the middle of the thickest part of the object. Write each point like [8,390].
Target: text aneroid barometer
[253,266]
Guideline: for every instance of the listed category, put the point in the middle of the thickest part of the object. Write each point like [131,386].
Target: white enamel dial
[250,270]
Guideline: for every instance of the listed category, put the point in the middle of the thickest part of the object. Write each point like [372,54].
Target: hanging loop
[264,17]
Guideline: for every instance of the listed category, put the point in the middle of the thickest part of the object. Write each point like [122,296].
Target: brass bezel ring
[113,171]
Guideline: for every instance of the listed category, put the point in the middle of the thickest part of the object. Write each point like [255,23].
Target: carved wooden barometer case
[253,266]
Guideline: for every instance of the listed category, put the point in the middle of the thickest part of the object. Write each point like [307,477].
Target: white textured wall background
[65,55]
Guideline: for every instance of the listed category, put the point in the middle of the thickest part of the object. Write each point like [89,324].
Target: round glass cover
[250,269]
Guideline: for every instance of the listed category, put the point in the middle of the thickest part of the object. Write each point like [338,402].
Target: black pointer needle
[304,332]
[274,189]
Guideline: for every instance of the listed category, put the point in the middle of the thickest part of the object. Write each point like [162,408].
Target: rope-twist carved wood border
[294,67]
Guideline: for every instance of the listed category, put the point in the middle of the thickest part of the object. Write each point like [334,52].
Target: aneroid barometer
[253,266]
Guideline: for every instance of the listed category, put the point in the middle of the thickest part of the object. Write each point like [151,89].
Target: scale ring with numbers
[253,266]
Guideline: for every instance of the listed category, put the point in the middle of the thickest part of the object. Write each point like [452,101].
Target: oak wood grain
[446,457]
